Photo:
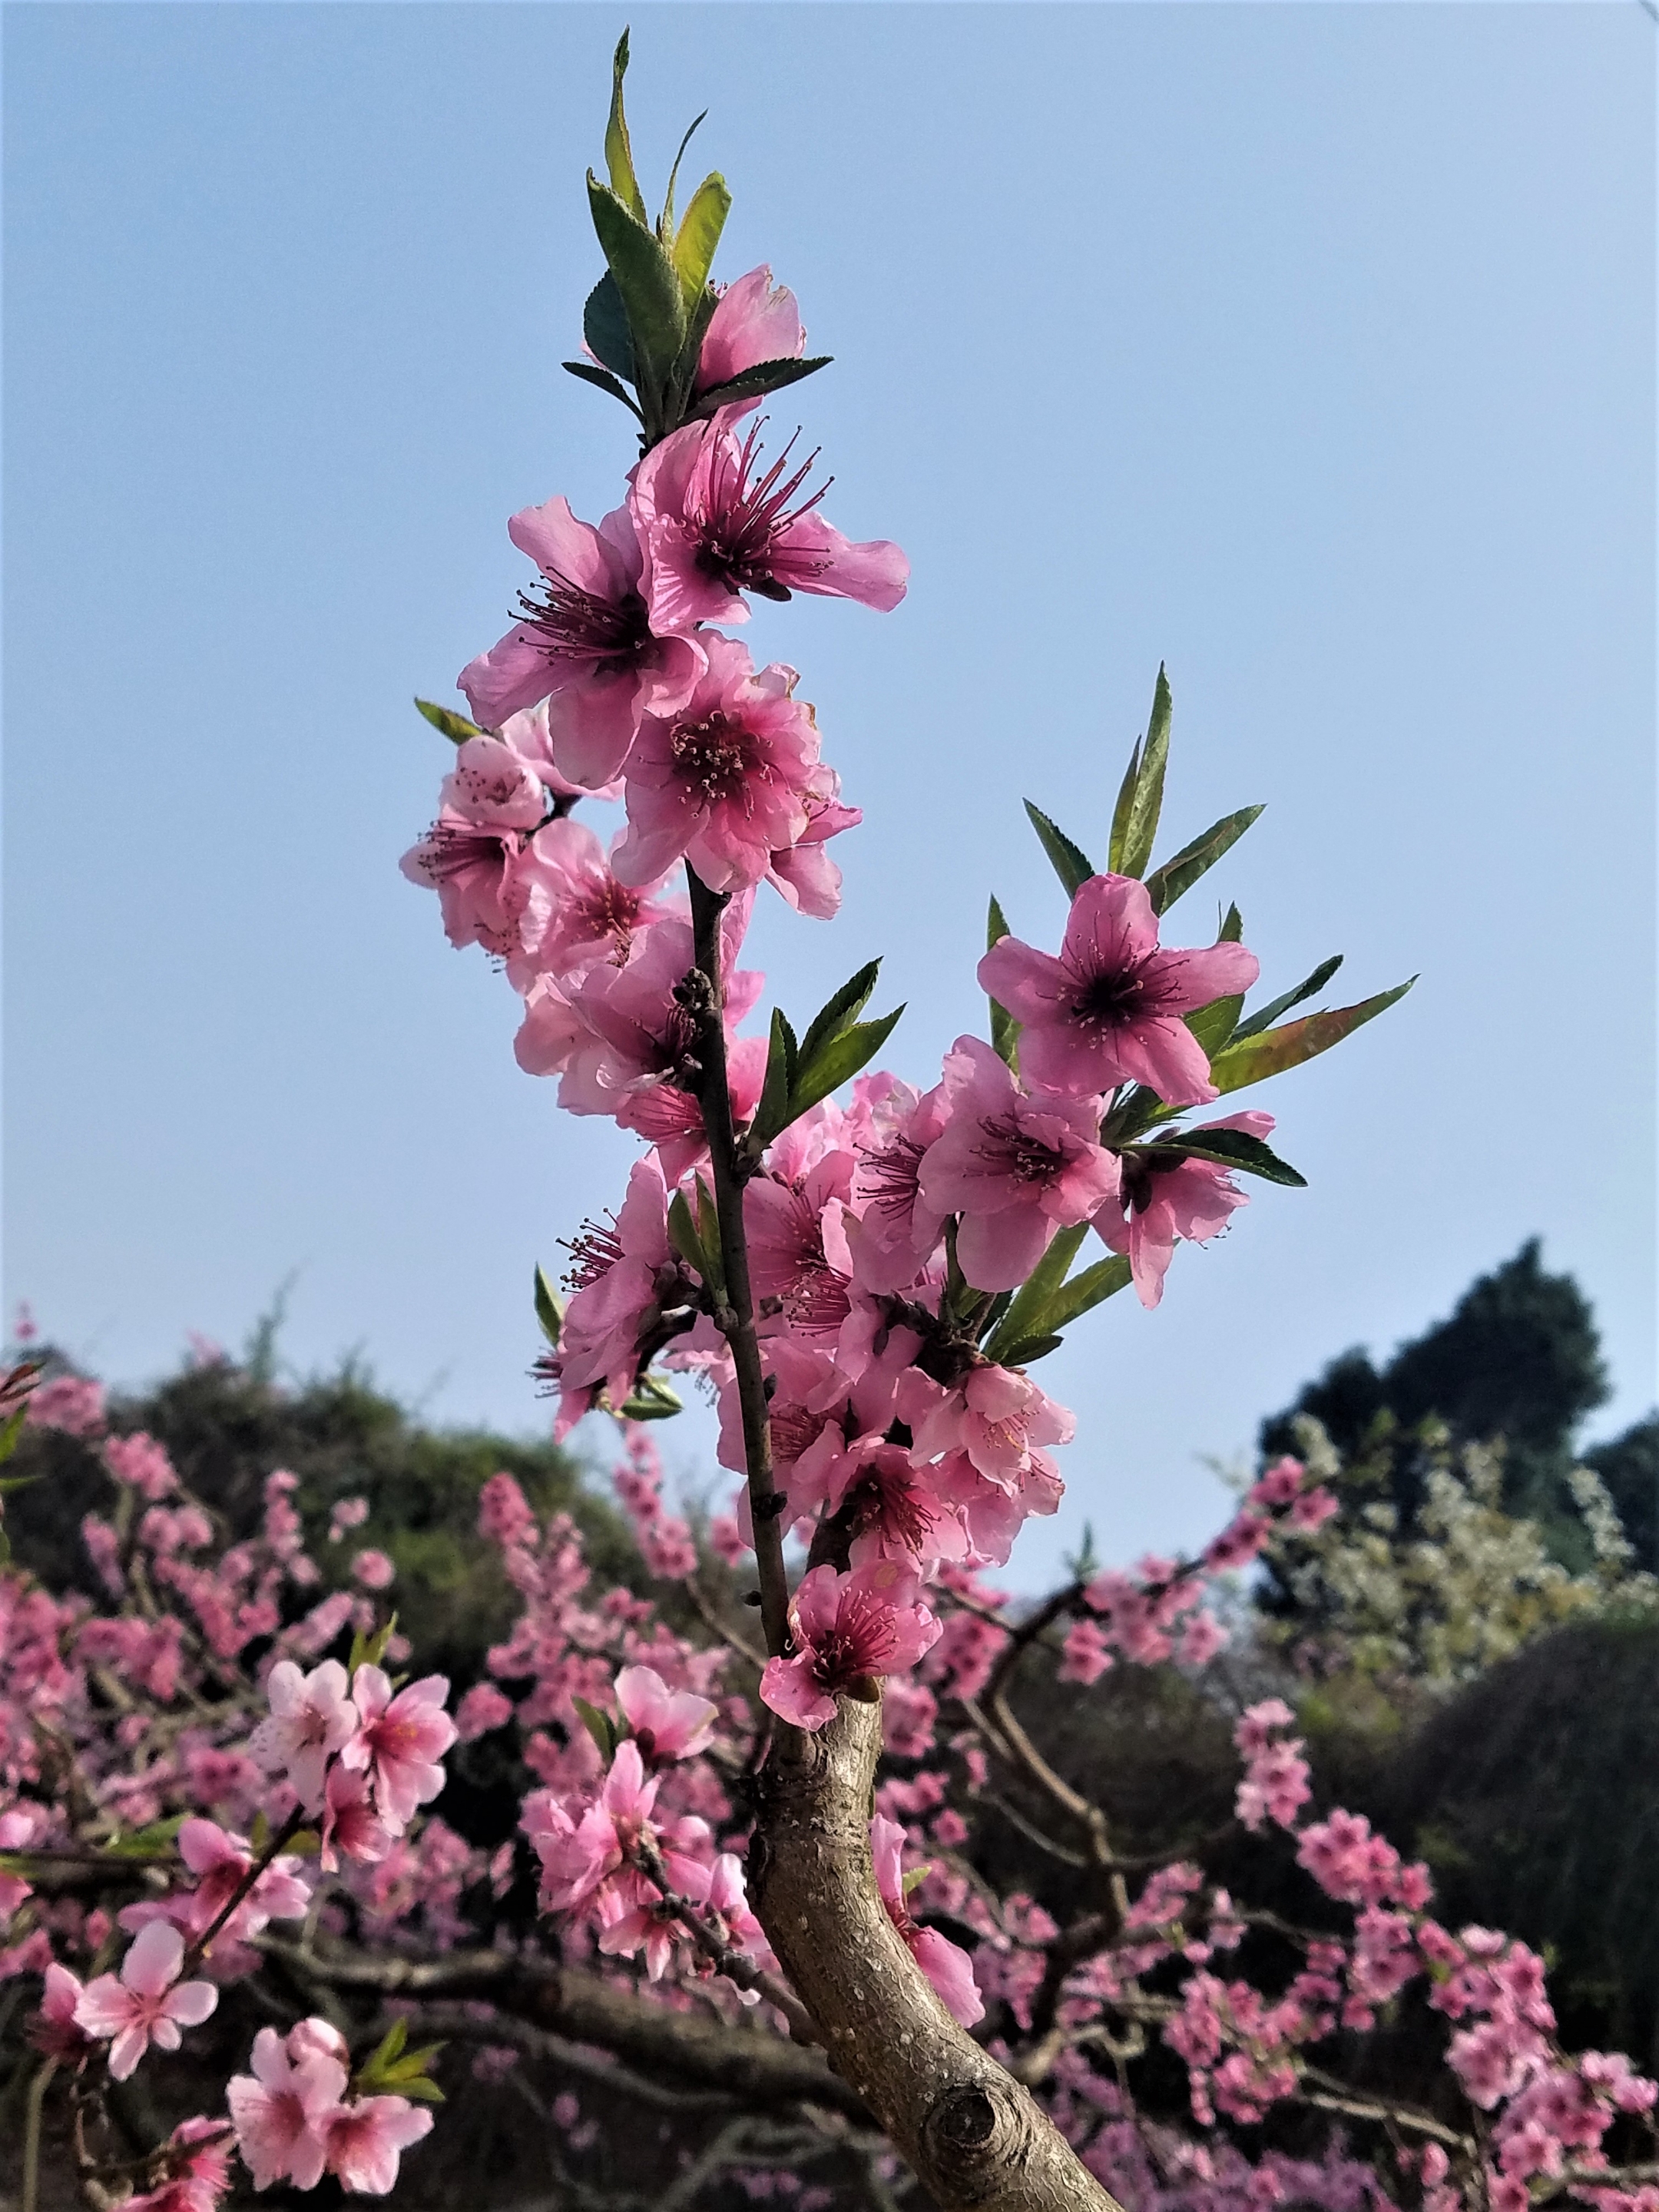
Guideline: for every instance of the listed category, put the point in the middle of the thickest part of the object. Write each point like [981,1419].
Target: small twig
[38,2088]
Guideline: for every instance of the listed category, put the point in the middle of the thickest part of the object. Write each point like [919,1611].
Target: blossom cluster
[246,1788]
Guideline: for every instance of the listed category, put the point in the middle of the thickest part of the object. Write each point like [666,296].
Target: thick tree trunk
[975,2137]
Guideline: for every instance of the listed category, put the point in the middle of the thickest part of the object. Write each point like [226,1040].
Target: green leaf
[1090,1289]
[1307,989]
[550,1309]
[1249,1060]
[412,2063]
[1233,1148]
[1146,803]
[1027,1314]
[370,1651]
[1231,930]
[8,1434]
[696,1237]
[606,381]
[1126,793]
[665,220]
[840,1013]
[618,154]
[839,1060]
[306,1843]
[455,727]
[915,1879]
[599,1726]
[1025,1349]
[755,383]
[423,2091]
[1165,885]
[1004,1030]
[699,235]
[772,1114]
[1069,861]
[650,1400]
[1213,1024]
[155,1841]
[259,1834]
[650,291]
[605,325]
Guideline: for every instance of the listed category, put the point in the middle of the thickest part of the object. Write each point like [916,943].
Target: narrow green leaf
[1069,861]
[604,326]
[1028,1314]
[645,277]
[755,383]
[550,1309]
[1121,812]
[1004,1030]
[598,1725]
[1024,1350]
[665,220]
[915,1879]
[1270,1053]
[1090,1289]
[1147,803]
[772,1113]
[413,2062]
[370,1651]
[841,1011]
[618,154]
[606,381]
[155,1841]
[1213,1024]
[423,2091]
[259,1833]
[1306,989]
[1165,885]
[455,727]
[1233,1148]
[9,1436]
[683,1236]
[1231,930]
[652,1400]
[839,1060]
[699,235]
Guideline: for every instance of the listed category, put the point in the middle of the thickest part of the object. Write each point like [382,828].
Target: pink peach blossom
[723,779]
[1109,1010]
[366,2139]
[845,1628]
[142,2006]
[54,2031]
[1161,1200]
[311,1718]
[755,320]
[352,1828]
[623,1274]
[1015,1168]
[198,2158]
[280,2110]
[714,526]
[399,1742]
[666,1724]
[803,873]
[945,1964]
[584,645]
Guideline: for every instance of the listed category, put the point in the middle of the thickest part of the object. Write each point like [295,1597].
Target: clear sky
[1310,349]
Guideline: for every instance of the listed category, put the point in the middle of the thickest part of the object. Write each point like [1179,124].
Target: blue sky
[1309,349]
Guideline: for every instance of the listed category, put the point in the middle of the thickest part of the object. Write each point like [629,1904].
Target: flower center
[1111,998]
[574,624]
[714,756]
[1017,1153]
[887,1178]
[740,523]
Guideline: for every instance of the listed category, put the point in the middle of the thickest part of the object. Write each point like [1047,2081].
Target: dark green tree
[1519,1357]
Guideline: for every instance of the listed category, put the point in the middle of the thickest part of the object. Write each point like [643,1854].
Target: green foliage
[1519,1357]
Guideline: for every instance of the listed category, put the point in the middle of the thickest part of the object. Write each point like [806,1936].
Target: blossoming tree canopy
[863,1270]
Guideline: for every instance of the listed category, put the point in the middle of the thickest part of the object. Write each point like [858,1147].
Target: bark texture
[976,2138]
